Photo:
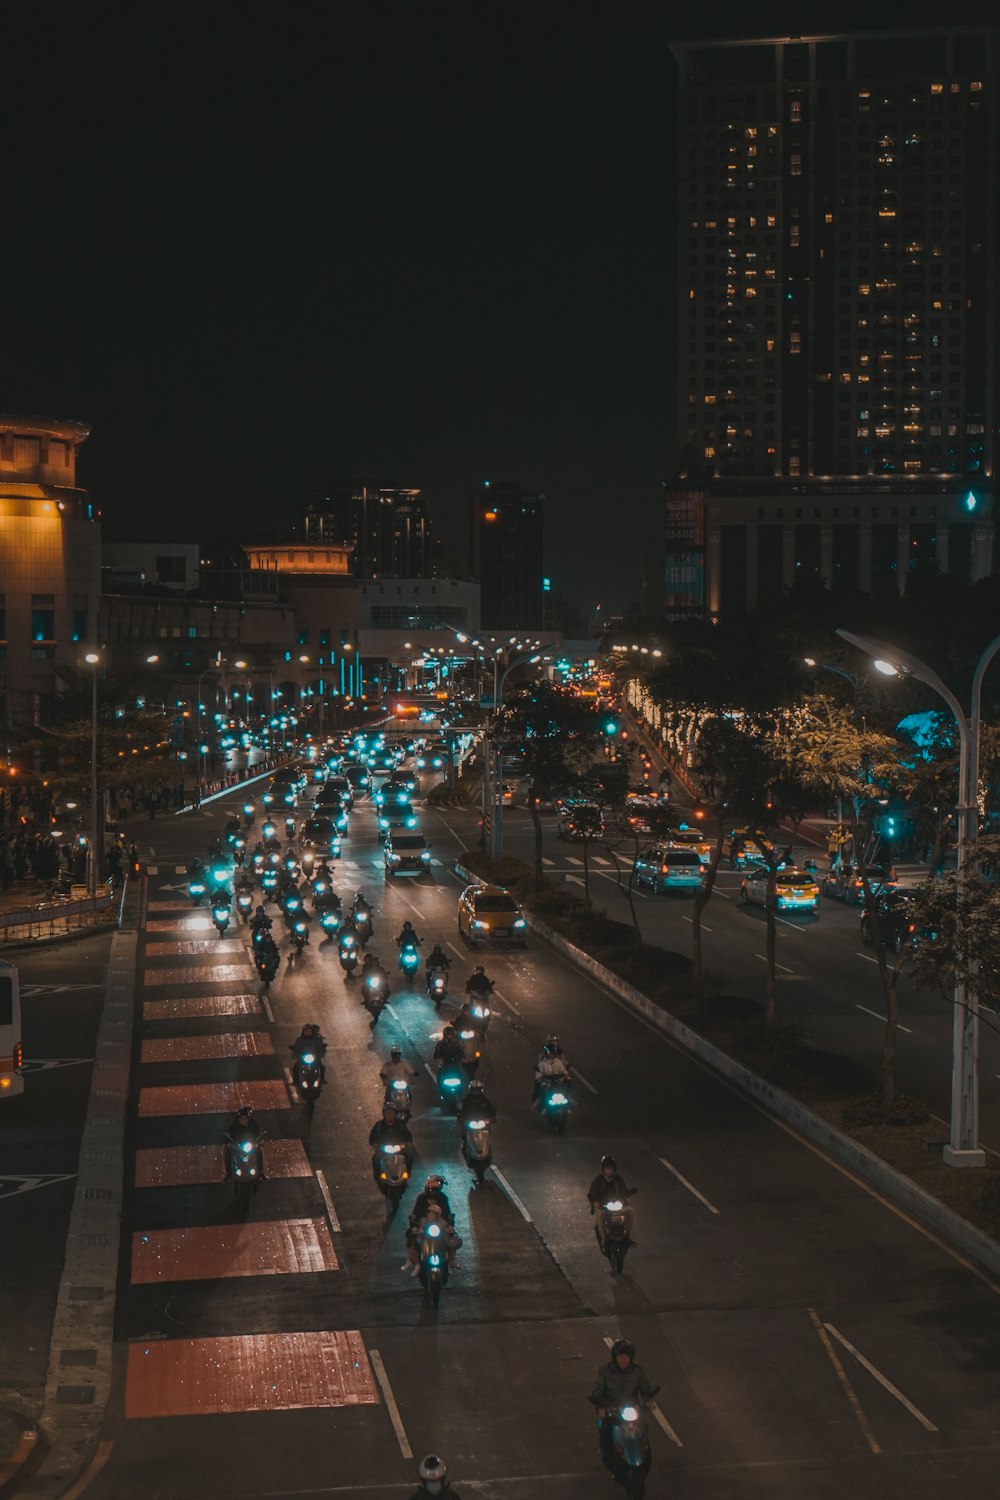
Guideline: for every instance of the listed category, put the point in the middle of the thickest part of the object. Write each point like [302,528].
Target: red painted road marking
[259,1372]
[269,1247]
[180,924]
[201,1005]
[212,1098]
[182,1166]
[201,974]
[200,1048]
[224,947]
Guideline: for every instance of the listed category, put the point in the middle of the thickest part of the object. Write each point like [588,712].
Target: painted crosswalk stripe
[152,869]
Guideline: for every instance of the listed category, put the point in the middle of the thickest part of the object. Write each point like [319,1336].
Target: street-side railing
[55,919]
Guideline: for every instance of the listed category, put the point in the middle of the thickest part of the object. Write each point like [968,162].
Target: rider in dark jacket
[390,1131]
[621,1382]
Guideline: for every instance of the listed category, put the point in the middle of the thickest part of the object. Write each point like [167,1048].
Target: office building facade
[386,527]
[838,365]
[507,557]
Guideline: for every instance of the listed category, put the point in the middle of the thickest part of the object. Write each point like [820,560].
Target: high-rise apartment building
[386,526]
[506,556]
[838,360]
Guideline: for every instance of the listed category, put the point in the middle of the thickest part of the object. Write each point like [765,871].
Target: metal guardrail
[51,920]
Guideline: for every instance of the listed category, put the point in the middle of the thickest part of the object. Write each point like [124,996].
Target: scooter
[244,1168]
[433,1271]
[630,1448]
[376,993]
[480,1012]
[220,916]
[409,958]
[393,1175]
[196,890]
[363,925]
[307,1076]
[398,1094]
[616,1235]
[451,1086]
[299,935]
[348,953]
[470,1062]
[244,905]
[554,1103]
[329,920]
[477,1147]
[437,985]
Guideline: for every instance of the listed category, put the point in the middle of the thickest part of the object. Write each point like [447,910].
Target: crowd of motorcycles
[247,875]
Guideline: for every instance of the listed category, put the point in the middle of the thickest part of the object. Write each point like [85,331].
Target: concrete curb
[898,1188]
[78,1384]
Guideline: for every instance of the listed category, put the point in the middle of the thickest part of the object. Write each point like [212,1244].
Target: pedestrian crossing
[203,1053]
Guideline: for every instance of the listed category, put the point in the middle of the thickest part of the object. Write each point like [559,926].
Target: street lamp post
[93,660]
[963,1149]
[531,654]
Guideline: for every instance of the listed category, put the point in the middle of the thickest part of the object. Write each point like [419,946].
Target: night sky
[429,243]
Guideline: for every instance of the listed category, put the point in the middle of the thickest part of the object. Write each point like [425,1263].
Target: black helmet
[433,1474]
[553,1046]
[623,1346]
[479,969]
[245,1109]
[395,1053]
[435,1180]
[609,1161]
[476,1086]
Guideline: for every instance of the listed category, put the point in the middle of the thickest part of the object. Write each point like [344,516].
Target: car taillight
[664,869]
[18,1056]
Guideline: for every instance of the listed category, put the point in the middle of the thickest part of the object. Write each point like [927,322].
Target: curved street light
[963,1149]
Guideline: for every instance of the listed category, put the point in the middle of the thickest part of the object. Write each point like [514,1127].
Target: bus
[11,1052]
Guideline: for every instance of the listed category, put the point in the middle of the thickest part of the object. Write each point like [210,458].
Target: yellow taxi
[488,913]
[795,890]
[684,837]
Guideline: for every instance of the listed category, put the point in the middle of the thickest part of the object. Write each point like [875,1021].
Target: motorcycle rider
[431,1205]
[552,1065]
[266,957]
[433,1475]
[373,965]
[390,1131]
[260,923]
[449,1051]
[311,1040]
[407,937]
[396,1069]
[243,1127]
[478,985]
[606,1186]
[477,1105]
[437,959]
[621,1382]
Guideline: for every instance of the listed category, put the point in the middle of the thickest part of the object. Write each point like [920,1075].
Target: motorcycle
[220,916]
[398,1094]
[330,921]
[451,1086]
[363,924]
[266,965]
[348,946]
[470,1042]
[244,1169]
[299,935]
[244,905]
[249,814]
[376,993]
[630,1448]
[393,1175]
[437,985]
[554,1103]
[409,958]
[269,831]
[196,890]
[480,1013]
[433,1263]
[308,1079]
[616,1235]
[477,1148]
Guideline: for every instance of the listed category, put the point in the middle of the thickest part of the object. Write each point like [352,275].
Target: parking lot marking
[691,1189]
[390,1403]
[841,1374]
[883,1380]
[875,1013]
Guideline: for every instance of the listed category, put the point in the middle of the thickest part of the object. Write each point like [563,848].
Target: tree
[558,736]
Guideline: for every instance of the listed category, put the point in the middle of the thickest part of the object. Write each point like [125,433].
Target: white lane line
[763,959]
[883,1380]
[703,927]
[392,1011]
[390,1403]
[785,923]
[507,1002]
[331,1212]
[586,1083]
[431,1073]
[655,1410]
[867,958]
[722,894]
[684,1183]
[152,869]
[511,1194]
[845,1383]
[269,1013]
[875,1013]
[456,951]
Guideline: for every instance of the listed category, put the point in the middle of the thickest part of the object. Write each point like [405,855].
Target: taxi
[683,837]
[744,848]
[795,890]
[488,913]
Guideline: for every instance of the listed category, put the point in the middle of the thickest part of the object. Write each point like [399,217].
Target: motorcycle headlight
[451,1082]
[475,1125]
[558,1099]
[247,1146]
[520,922]
[307,1057]
[425,854]
[614,1207]
[629,1414]
[433,1231]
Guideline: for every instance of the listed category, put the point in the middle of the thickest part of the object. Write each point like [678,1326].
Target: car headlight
[477,923]
[520,922]
[394,859]
[425,854]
